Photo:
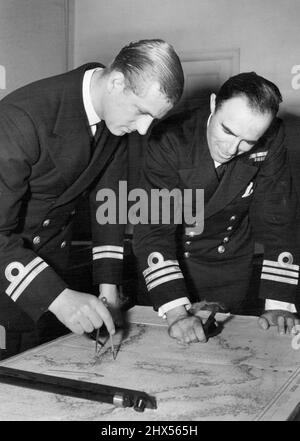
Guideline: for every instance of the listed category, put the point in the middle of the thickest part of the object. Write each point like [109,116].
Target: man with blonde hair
[61,137]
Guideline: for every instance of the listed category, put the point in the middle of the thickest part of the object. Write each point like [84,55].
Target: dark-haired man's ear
[212,102]
[115,82]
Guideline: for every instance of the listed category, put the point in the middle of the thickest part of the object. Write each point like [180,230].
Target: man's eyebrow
[232,133]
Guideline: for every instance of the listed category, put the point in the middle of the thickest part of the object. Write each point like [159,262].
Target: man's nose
[143,124]
[234,146]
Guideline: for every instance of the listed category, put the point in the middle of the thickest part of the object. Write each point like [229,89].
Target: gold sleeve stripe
[107,255]
[279,279]
[162,272]
[277,264]
[282,272]
[164,280]
[28,280]
[112,248]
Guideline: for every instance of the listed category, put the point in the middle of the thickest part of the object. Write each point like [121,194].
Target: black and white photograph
[149,213]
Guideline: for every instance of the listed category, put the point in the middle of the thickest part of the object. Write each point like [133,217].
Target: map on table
[243,373]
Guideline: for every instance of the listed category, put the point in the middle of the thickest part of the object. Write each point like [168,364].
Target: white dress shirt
[91,114]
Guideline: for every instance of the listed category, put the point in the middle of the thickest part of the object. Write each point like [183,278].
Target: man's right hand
[81,312]
[183,327]
[111,297]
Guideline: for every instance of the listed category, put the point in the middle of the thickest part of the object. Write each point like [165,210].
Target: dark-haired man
[60,137]
[237,155]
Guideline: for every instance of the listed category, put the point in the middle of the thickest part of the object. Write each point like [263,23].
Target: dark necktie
[98,133]
[96,137]
[220,170]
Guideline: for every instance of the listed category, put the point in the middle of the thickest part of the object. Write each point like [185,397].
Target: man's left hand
[284,320]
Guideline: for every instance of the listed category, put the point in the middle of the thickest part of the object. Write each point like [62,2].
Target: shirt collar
[217,164]
[91,114]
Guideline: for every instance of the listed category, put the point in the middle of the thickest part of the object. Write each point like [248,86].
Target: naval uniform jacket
[253,200]
[293,147]
[47,160]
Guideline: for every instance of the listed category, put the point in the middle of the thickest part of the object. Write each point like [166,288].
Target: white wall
[32,41]
[267,32]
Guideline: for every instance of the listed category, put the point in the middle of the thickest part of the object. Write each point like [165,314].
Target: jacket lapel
[206,173]
[236,178]
[70,144]
[203,174]
[103,154]
[71,153]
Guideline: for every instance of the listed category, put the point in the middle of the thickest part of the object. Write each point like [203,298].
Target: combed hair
[153,60]
[263,95]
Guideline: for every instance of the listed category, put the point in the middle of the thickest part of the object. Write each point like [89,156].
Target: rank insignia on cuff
[21,276]
[161,271]
[282,270]
[108,251]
